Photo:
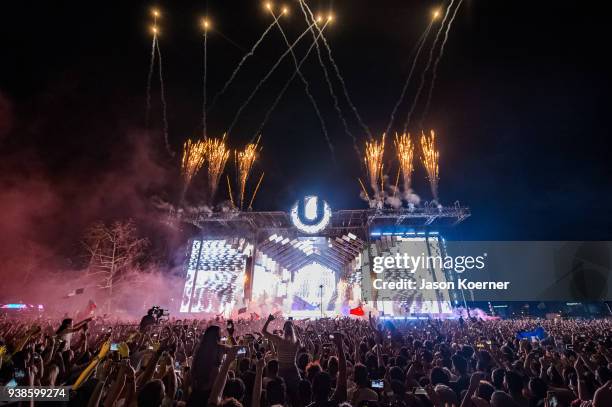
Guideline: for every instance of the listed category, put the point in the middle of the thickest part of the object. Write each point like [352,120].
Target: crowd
[319,363]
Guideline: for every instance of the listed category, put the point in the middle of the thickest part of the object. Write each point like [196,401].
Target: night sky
[521,104]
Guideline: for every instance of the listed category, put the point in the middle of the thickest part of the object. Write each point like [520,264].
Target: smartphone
[114,347]
[224,339]
[241,351]
[331,336]
[488,342]
[569,346]
[377,384]
[12,383]
[177,365]
[420,390]
[19,374]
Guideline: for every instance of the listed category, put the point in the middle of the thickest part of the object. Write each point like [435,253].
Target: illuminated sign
[311,215]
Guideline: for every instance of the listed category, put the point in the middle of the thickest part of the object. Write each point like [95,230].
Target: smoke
[45,211]
[393,201]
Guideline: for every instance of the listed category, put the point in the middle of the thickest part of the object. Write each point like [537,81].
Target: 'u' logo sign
[311,215]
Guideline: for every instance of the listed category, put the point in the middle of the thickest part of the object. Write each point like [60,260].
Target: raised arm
[264,330]
[341,386]
[217,388]
[256,394]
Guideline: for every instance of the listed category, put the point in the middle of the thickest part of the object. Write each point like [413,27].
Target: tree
[116,254]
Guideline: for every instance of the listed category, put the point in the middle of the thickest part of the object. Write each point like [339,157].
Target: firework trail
[242,61]
[150,80]
[245,160]
[427,66]
[374,152]
[163,101]
[265,78]
[330,86]
[229,191]
[194,156]
[302,78]
[256,189]
[435,67]
[155,14]
[337,70]
[430,159]
[297,72]
[405,156]
[418,47]
[218,154]
[204,78]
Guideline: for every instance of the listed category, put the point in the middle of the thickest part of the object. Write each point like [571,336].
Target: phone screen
[242,350]
[114,347]
[377,384]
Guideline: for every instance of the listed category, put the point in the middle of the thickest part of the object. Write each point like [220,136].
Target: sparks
[245,160]
[405,156]
[217,153]
[374,153]
[430,159]
[194,156]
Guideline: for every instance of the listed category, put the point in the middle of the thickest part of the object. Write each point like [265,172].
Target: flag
[88,311]
[358,311]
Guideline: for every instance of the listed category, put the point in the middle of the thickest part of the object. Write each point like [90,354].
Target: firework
[284,89]
[163,102]
[205,26]
[365,191]
[329,84]
[229,192]
[337,71]
[265,78]
[298,72]
[427,66]
[416,52]
[440,55]
[245,160]
[373,159]
[150,80]
[194,156]
[256,189]
[154,31]
[242,61]
[430,159]
[217,155]
[405,156]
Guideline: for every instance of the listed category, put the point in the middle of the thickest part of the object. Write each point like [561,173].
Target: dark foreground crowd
[328,362]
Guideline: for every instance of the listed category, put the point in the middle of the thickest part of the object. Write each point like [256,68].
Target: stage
[310,262]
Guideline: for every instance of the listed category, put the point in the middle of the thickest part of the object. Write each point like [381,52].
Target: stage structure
[308,262]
